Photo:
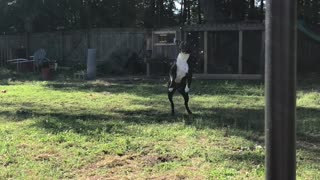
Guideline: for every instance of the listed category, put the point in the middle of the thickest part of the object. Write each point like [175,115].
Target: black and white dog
[181,75]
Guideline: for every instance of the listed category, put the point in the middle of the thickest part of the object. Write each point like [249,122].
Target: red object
[45,73]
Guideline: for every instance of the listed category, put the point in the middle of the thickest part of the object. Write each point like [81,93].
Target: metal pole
[280,81]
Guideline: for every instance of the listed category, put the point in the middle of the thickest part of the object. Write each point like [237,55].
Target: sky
[178,6]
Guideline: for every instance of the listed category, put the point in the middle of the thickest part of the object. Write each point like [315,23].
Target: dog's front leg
[173,75]
[171,84]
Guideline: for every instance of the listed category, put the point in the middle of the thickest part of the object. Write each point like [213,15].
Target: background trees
[49,15]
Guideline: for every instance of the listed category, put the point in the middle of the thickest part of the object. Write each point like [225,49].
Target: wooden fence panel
[70,47]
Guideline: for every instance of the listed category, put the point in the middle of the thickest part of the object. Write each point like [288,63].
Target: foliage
[112,130]
[45,15]
[309,10]
[122,62]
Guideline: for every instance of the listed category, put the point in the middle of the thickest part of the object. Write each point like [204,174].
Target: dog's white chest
[182,66]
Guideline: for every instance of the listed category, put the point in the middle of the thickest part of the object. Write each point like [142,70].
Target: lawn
[116,130]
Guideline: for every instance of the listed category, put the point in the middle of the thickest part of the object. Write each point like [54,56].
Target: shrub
[121,62]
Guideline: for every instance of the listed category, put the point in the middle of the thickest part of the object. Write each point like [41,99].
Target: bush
[5,73]
[122,62]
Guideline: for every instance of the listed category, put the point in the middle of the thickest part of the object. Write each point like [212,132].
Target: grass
[80,130]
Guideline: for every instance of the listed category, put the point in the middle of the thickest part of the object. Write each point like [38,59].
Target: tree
[309,10]
[47,15]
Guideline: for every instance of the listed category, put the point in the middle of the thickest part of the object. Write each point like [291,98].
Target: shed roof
[217,27]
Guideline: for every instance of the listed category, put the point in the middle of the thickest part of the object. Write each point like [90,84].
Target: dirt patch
[23,146]
[109,167]
[45,157]
[152,160]
[124,167]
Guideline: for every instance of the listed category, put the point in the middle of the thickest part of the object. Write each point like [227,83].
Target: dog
[181,75]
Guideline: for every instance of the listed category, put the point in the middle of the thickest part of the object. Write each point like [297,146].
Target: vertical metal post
[280,81]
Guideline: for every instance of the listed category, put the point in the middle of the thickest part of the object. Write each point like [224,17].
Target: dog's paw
[186,90]
[170,89]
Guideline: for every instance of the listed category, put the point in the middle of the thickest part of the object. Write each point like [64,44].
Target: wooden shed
[224,51]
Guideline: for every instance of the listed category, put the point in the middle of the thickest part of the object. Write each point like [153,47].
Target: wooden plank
[262,52]
[240,52]
[148,69]
[164,32]
[1,58]
[152,41]
[164,44]
[205,70]
[224,27]
[152,54]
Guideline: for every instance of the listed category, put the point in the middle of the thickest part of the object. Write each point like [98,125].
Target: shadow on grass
[120,121]
[248,156]
[147,88]
[140,89]
[308,124]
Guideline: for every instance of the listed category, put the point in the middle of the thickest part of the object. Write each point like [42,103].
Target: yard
[123,129]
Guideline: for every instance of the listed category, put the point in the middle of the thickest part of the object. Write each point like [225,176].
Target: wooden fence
[71,46]
[308,54]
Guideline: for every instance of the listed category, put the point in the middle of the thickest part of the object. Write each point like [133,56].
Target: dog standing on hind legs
[181,76]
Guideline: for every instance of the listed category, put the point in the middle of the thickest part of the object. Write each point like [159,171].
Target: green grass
[61,130]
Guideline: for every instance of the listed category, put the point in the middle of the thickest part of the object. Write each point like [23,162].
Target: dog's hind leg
[170,97]
[186,100]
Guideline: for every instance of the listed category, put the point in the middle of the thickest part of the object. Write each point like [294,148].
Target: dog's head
[184,47]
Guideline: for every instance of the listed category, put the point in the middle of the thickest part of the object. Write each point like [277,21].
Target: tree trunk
[252,9]
[181,12]
[188,14]
[316,12]
[209,10]
[161,12]
[252,4]
[153,10]
[199,13]
[262,11]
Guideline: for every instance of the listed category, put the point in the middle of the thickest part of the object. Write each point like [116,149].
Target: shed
[224,51]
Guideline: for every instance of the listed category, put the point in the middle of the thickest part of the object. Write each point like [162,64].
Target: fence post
[205,52]
[91,64]
[240,52]
[61,46]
